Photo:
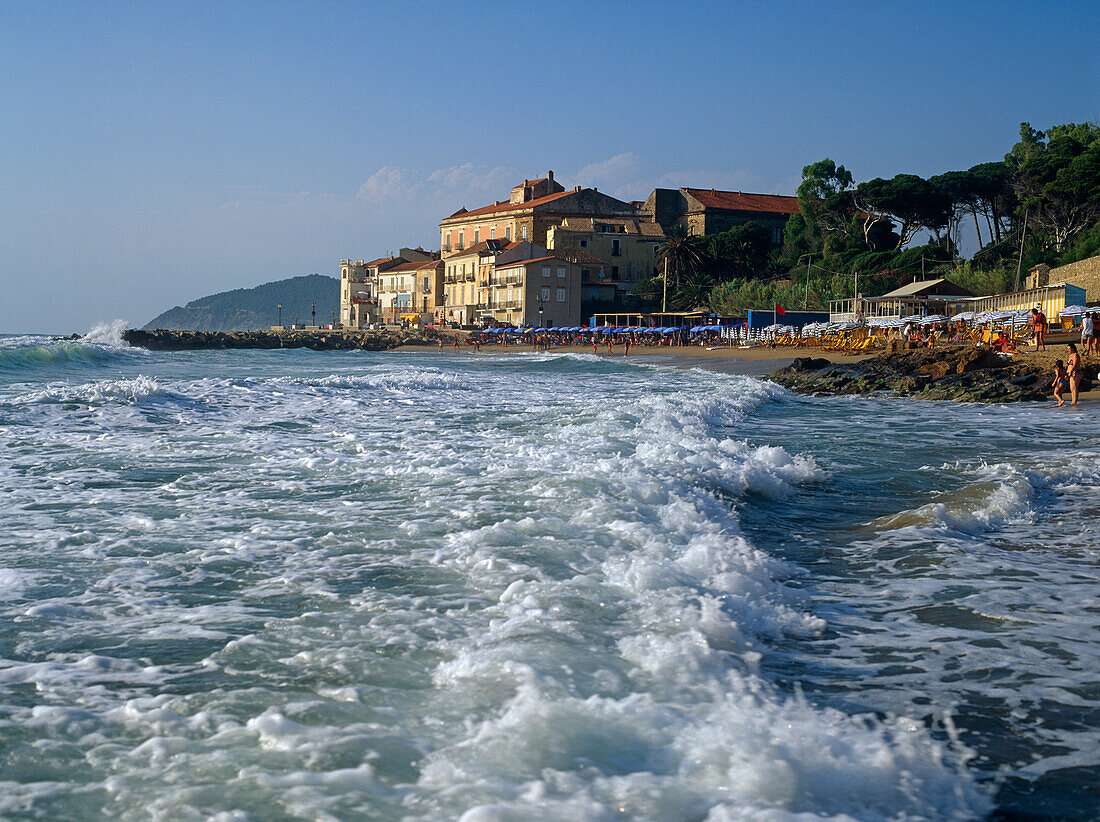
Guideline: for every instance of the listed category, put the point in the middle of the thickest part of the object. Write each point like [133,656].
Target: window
[508,233]
[493,233]
[584,243]
[615,273]
[616,248]
[461,242]
[524,230]
[477,235]
[561,273]
[561,295]
[546,271]
[545,295]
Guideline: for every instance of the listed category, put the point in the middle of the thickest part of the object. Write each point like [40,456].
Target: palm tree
[679,253]
[695,292]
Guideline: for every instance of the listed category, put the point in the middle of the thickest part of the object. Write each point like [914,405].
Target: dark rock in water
[808,364]
[953,373]
[321,340]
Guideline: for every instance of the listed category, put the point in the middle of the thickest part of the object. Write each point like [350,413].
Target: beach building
[625,247]
[533,207]
[1050,299]
[924,297]
[758,318]
[711,211]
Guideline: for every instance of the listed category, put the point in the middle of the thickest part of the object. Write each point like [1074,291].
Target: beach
[757,361]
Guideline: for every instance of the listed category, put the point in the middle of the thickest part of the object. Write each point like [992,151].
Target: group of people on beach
[1068,374]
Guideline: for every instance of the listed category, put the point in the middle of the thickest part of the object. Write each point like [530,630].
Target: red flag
[779,309]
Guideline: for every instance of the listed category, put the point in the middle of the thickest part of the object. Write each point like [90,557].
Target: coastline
[759,362]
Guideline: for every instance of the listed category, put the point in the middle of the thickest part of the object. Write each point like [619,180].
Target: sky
[152,153]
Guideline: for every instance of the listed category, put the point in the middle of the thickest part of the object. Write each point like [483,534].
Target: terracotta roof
[536,260]
[379,261]
[429,264]
[631,225]
[403,267]
[737,201]
[508,206]
[575,255]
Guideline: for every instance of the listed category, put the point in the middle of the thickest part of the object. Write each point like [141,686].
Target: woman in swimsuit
[1073,366]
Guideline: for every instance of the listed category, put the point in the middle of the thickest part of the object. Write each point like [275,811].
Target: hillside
[251,309]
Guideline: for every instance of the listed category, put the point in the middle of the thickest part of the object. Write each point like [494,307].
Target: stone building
[533,207]
[626,247]
[709,211]
[1084,274]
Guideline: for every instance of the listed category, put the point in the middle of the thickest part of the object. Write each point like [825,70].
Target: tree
[910,201]
[1058,181]
[824,195]
[680,251]
[993,197]
[694,292]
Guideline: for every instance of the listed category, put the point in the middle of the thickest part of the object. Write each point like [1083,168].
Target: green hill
[252,309]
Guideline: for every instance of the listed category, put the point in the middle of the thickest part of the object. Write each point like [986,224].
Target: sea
[297,585]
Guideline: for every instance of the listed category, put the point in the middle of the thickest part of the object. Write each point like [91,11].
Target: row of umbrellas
[810,329]
[603,329]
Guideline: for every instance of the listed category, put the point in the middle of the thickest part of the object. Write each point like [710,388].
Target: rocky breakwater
[161,340]
[965,374]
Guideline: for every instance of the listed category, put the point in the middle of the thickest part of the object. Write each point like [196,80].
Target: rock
[801,364]
[949,372]
[322,340]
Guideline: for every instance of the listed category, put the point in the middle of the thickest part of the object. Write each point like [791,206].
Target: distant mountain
[252,309]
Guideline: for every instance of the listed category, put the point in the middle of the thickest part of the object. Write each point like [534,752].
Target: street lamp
[334,319]
[540,311]
[315,315]
[280,315]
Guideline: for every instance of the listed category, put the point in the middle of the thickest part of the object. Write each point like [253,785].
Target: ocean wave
[99,392]
[102,345]
[415,380]
[997,494]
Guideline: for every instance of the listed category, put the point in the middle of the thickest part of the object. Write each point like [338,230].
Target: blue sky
[152,153]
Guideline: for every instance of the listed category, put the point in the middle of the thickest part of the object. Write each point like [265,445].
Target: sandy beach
[749,362]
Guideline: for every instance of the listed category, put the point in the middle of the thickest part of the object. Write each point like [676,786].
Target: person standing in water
[1076,372]
[1061,382]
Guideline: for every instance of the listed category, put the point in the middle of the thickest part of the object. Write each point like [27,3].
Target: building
[533,207]
[544,291]
[359,286]
[925,297]
[408,291]
[1084,274]
[626,246]
[710,211]
[466,280]
[940,297]
[1050,299]
[427,293]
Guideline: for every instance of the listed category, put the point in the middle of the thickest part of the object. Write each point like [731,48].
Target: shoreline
[759,363]
[810,370]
